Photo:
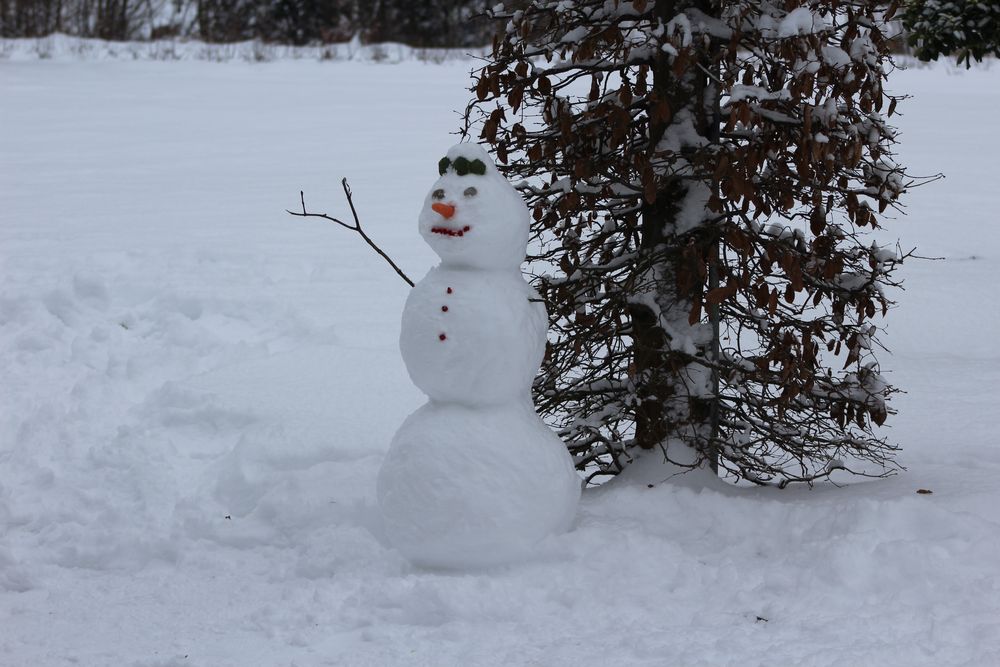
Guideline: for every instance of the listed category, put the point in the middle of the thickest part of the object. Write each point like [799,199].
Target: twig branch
[356,227]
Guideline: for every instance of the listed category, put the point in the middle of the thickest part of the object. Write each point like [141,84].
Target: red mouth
[448,231]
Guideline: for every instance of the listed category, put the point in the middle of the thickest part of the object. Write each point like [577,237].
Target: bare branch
[356,227]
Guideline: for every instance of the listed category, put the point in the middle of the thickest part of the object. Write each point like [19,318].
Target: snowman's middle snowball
[480,343]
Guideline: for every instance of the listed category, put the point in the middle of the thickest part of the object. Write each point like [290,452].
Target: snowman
[474,477]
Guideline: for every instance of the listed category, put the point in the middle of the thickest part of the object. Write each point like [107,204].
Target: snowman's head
[472,216]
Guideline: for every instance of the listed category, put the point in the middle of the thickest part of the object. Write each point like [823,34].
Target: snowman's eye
[438,194]
[471,192]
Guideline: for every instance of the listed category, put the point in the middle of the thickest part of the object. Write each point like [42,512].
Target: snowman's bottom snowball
[465,486]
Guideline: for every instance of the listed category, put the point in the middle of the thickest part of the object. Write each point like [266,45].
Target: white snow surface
[73,49]
[199,390]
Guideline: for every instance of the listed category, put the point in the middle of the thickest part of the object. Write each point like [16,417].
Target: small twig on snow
[356,227]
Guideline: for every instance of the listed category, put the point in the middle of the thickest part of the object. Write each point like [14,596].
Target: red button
[449,290]
[442,337]
[444,309]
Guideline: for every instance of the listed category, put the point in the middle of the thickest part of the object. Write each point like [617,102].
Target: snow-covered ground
[197,391]
[66,48]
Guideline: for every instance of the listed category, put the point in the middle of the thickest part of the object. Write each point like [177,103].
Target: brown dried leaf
[695,315]
[817,221]
[514,98]
[720,294]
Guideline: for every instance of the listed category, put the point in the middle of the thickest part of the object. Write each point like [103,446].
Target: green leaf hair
[462,166]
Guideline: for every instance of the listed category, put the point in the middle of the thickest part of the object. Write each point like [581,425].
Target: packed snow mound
[464,487]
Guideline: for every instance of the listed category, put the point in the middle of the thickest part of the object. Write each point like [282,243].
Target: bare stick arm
[356,227]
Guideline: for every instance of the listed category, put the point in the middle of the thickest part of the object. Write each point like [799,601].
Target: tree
[703,177]
[421,23]
[430,23]
[969,29]
[29,18]
[105,19]
[226,20]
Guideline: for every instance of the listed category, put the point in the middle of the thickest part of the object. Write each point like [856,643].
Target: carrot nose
[446,210]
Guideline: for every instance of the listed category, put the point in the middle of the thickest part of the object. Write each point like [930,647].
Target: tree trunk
[677,396]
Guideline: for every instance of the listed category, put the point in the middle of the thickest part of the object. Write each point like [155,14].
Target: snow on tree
[704,178]
[971,30]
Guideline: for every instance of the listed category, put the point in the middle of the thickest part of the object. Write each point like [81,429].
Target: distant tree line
[969,29]
[106,19]
[420,23]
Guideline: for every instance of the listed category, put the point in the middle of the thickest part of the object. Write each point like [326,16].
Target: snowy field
[198,390]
